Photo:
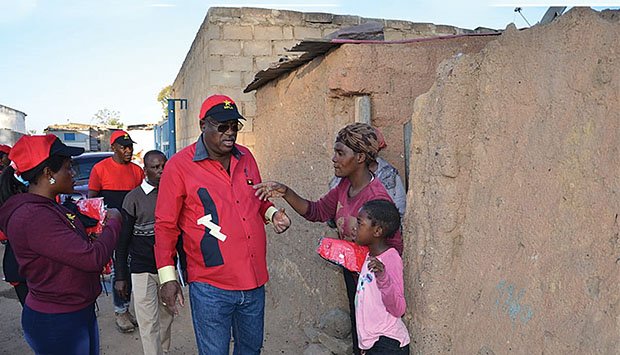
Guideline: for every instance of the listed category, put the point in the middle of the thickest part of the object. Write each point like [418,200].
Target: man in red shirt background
[112,178]
[206,195]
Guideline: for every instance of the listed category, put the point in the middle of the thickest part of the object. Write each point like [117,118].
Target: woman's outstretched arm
[270,189]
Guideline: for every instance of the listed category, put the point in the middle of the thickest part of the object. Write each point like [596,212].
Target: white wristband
[269,214]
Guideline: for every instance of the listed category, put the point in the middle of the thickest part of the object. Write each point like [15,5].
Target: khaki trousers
[154,320]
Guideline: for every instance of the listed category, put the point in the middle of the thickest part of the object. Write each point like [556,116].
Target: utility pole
[172,137]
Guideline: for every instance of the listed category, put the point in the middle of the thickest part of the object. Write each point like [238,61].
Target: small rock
[335,345]
[335,323]
[317,349]
[312,334]
[485,350]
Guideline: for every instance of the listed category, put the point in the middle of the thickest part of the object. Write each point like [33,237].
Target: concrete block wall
[233,44]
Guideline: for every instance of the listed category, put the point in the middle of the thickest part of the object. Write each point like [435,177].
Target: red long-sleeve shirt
[193,186]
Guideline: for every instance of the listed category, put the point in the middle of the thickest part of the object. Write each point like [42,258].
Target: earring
[52,181]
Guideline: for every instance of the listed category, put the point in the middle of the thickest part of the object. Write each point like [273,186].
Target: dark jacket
[60,263]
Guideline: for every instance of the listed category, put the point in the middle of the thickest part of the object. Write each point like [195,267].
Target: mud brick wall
[515,190]
[297,119]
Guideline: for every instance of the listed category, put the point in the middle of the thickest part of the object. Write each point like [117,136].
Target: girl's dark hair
[10,186]
[383,213]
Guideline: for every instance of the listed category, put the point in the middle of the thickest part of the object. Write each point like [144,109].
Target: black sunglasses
[235,126]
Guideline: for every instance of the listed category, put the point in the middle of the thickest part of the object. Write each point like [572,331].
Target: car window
[83,166]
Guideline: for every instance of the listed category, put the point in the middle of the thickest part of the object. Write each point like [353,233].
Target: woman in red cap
[59,261]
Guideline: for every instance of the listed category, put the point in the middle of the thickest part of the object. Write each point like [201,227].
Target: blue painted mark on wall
[510,301]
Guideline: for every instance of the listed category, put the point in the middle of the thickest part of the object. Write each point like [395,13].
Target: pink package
[342,252]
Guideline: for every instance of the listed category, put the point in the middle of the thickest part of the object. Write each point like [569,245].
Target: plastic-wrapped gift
[93,208]
[342,252]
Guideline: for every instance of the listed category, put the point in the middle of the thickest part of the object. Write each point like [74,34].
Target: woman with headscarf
[389,177]
[60,262]
[356,147]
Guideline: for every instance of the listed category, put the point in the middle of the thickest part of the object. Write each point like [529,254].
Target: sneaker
[132,319]
[123,323]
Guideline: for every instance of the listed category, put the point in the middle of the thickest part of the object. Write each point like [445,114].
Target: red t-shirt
[114,180]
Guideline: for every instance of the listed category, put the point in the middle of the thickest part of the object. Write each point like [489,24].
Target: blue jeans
[75,333]
[216,311]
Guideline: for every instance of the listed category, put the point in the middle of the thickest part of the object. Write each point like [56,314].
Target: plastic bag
[93,208]
[342,252]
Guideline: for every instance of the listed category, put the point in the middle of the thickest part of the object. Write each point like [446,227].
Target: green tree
[109,118]
[162,98]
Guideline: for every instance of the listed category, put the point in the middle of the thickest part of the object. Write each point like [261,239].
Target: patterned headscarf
[361,138]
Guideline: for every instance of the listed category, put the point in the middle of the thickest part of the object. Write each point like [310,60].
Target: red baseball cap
[30,151]
[5,148]
[121,137]
[221,108]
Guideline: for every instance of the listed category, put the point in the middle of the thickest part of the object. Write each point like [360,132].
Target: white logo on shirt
[214,229]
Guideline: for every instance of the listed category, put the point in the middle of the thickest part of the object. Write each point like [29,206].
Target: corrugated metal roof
[313,48]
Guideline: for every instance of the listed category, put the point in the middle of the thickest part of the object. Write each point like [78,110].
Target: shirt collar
[146,187]
[202,153]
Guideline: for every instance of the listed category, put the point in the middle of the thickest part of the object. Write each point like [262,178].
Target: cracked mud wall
[513,236]
[298,117]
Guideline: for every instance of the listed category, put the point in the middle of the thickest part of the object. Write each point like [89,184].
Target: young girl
[380,299]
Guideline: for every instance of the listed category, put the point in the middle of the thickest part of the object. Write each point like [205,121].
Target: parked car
[83,164]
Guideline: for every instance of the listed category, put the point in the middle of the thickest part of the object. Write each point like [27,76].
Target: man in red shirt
[112,178]
[206,195]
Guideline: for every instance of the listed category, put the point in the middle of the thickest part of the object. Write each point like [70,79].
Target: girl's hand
[270,189]
[375,265]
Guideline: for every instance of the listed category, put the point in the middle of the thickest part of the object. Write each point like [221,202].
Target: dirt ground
[112,342]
